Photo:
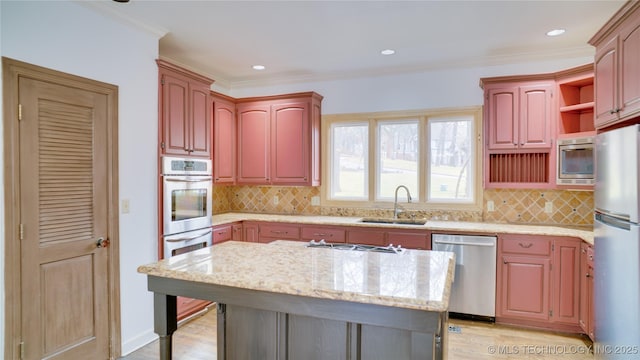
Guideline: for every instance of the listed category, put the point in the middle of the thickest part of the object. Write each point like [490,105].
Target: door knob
[102,243]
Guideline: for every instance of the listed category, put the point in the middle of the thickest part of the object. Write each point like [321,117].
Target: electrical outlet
[276,200]
[490,206]
[125,206]
[315,200]
[548,207]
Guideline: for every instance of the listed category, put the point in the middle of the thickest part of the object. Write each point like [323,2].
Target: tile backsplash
[517,206]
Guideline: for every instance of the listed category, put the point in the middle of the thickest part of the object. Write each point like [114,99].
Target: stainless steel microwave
[575,161]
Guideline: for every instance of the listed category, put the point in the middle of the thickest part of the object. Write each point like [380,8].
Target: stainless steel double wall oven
[187,186]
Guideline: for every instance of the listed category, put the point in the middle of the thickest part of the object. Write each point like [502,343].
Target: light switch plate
[315,200]
[125,206]
[490,206]
[276,200]
[548,207]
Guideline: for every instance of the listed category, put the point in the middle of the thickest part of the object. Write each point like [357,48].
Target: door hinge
[550,313]
[553,247]
[162,81]
[162,145]
[21,350]
[551,267]
[19,112]
[21,231]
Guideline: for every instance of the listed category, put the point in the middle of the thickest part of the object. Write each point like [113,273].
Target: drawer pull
[279,232]
[525,246]
[322,234]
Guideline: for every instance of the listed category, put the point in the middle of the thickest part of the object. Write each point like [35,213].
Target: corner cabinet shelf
[576,102]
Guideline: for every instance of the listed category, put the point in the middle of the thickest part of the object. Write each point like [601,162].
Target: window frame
[419,203]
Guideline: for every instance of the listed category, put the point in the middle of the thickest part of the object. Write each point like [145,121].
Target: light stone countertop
[436,226]
[413,279]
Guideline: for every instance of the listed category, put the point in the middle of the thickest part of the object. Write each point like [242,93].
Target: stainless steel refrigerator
[617,244]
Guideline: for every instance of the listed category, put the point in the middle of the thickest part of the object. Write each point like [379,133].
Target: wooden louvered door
[64,213]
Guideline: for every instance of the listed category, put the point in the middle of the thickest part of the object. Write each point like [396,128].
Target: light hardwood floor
[196,340]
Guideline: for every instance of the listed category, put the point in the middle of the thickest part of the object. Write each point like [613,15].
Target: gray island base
[321,303]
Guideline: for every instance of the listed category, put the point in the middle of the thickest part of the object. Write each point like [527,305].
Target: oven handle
[189,238]
[204,178]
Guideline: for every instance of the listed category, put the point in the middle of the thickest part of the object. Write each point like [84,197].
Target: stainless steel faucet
[396,211]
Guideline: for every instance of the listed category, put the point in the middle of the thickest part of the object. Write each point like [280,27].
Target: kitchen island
[286,301]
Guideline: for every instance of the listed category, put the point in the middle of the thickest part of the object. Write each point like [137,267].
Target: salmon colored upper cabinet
[254,139]
[520,116]
[224,140]
[279,140]
[617,67]
[289,147]
[185,125]
[606,94]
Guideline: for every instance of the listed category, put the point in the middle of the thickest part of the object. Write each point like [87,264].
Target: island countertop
[414,279]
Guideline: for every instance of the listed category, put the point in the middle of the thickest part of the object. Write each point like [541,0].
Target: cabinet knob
[588,275]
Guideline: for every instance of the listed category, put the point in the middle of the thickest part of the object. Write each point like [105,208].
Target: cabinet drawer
[275,231]
[222,233]
[408,240]
[367,237]
[525,244]
[319,233]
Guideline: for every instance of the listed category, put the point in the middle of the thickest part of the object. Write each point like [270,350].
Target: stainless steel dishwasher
[474,287]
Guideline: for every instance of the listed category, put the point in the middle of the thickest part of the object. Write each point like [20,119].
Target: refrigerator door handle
[613,221]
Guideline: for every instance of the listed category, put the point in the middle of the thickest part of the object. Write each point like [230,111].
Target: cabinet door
[566,281]
[606,70]
[584,294]
[524,287]
[250,232]
[224,142]
[503,118]
[629,76]
[238,234]
[175,100]
[290,138]
[535,116]
[199,121]
[253,144]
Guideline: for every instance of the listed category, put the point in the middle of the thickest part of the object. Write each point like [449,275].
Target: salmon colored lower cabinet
[538,281]
[587,323]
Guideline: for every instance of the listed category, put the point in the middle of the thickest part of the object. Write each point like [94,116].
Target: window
[349,156]
[397,151]
[433,153]
[451,154]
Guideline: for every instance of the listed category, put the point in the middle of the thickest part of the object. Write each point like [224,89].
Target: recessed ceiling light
[258,67]
[555,32]
[387,52]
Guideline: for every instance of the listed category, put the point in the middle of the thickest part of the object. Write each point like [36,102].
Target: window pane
[349,161]
[397,158]
[451,159]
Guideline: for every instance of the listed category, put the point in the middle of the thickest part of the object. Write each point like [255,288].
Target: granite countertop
[414,279]
[461,226]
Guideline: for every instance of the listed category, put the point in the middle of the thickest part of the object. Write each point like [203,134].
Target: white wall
[69,37]
[427,90]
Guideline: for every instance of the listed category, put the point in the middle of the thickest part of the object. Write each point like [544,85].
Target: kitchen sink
[393,221]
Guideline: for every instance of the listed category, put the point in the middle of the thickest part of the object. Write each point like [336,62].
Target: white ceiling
[316,40]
